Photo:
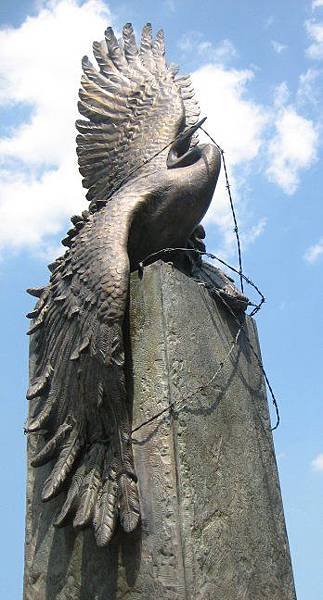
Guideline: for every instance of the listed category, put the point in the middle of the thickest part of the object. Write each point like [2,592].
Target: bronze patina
[149,184]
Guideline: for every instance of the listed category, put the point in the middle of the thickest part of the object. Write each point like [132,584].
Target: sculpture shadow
[49,552]
[101,566]
[64,561]
[253,382]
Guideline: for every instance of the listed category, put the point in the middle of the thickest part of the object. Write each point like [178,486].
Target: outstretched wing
[134,106]
[78,391]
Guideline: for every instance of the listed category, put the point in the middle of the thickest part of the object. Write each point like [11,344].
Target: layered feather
[129,503]
[133,106]
[133,91]
[77,393]
[105,512]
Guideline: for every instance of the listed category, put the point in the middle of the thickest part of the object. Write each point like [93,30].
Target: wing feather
[78,375]
[130,45]
[115,52]
[63,466]
[134,91]
[133,107]
[40,383]
[43,414]
[90,487]
[129,503]
[105,512]
[52,446]
[72,499]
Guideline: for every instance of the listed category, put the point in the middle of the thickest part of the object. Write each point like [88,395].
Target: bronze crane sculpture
[149,185]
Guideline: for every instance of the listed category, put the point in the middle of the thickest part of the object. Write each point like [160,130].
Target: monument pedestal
[212,517]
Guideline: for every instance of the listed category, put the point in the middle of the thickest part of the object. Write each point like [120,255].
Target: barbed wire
[209,255]
[242,276]
[148,160]
[228,187]
[215,291]
[238,271]
[200,388]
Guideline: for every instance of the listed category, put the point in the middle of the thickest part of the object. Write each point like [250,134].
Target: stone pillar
[212,517]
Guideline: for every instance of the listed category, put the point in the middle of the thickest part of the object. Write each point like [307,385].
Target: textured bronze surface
[212,520]
[134,106]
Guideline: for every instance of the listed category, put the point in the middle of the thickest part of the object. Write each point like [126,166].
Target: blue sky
[257,67]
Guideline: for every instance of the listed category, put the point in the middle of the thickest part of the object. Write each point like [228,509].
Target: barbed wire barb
[239,272]
[228,187]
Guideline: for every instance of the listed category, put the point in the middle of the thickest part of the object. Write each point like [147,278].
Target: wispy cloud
[307,92]
[251,234]
[317,4]
[194,42]
[278,47]
[277,140]
[293,147]
[269,21]
[317,463]
[170,5]
[313,253]
[40,67]
[237,124]
[221,52]
[315,32]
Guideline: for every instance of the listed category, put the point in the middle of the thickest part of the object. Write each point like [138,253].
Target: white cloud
[170,5]
[40,66]
[278,47]
[281,95]
[317,4]
[292,148]
[253,136]
[237,124]
[317,463]
[251,234]
[269,21]
[314,252]
[315,33]
[223,51]
[34,207]
[307,92]
[233,118]
[218,53]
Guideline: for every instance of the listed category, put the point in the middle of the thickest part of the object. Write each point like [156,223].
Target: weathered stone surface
[213,524]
